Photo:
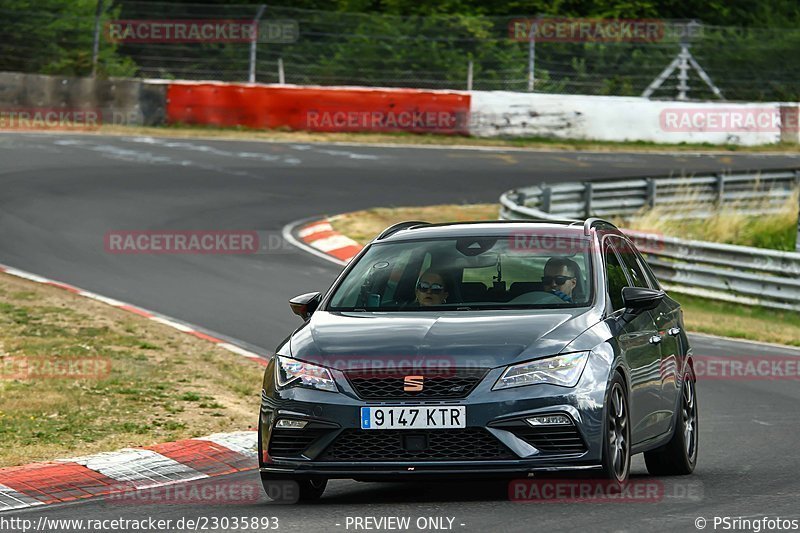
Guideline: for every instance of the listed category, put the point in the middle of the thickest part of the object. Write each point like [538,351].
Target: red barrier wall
[318,109]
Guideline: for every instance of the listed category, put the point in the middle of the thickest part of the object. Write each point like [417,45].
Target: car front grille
[445,383]
[552,439]
[292,442]
[413,445]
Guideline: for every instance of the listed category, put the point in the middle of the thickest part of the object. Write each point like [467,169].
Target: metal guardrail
[746,192]
[741,274]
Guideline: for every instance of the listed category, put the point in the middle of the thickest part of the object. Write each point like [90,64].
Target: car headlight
[293,373]
[564,370]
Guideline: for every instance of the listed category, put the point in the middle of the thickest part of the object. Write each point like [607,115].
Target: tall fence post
[254,43]
[96,39]
[469,75]
[281,76]
[531,56]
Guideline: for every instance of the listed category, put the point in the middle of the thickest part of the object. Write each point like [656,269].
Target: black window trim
[614,250]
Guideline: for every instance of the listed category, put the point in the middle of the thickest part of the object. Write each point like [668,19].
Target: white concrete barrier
[613,118]
[478,113]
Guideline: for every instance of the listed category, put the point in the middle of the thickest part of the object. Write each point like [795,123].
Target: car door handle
[674,331]
[655,339]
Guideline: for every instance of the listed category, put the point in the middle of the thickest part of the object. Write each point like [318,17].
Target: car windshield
[536,270]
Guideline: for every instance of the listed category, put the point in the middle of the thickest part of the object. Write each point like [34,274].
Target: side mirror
[305,304]
[640,299]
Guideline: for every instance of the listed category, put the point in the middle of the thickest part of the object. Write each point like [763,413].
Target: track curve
[60,194]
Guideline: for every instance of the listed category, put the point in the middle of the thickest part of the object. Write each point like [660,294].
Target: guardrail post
[651,193]
[797,188]
[521,198]
[588,193]
[797,241]
[720,190]
[546,198]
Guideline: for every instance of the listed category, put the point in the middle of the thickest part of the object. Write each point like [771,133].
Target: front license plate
[441,417]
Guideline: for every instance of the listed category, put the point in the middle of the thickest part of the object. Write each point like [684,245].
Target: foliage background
[750,50]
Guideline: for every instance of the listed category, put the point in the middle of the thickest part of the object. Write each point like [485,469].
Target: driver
[559,278]
[431,289]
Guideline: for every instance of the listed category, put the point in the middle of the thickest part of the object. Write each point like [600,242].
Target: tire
[616,432]
[679,456]
[293,490]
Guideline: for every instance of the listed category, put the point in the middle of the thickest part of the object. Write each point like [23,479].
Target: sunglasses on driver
[559,280]
[433,288]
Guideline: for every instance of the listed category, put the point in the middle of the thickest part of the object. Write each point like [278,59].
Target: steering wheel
[537,298]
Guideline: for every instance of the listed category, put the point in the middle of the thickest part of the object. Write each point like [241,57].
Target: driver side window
[615,276]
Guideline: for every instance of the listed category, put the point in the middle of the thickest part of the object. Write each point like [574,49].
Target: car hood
[474,338]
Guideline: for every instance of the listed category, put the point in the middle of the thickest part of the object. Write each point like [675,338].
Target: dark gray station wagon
[482,349]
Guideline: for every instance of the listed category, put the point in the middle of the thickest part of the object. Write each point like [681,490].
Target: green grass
[739,321]
[152,384]
[777,231]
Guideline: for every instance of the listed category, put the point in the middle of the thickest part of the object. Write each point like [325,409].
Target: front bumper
[498,415]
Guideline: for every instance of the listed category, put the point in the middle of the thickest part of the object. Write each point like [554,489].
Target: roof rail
[504,221]
[394,228]
[594,221]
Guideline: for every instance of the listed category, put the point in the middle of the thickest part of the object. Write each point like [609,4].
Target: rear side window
[615,274]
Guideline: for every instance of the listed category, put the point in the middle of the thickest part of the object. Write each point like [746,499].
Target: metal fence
[741,274]
[746,192]
[439,52]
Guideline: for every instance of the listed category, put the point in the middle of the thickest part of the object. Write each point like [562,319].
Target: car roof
[421,230]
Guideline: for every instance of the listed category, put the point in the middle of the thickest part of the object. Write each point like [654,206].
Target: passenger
[431,289]
[559,278]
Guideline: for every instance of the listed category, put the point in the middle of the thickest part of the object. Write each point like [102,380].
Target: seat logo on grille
[413,383]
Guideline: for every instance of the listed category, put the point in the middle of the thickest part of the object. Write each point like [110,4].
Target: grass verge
[740,321]
[776,231]
[534,143]
[79,377]
[701,315]
[363,226]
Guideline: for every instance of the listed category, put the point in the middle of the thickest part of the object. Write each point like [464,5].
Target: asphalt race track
[60,194]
